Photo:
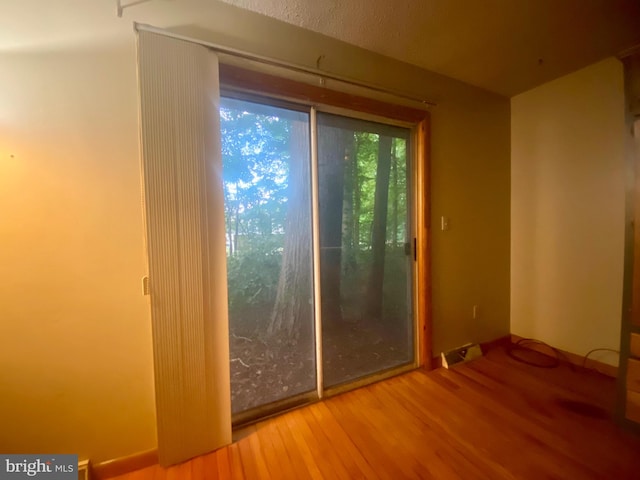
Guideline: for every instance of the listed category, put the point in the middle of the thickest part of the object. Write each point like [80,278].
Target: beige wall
[567,210]
[75,346]
[75,339]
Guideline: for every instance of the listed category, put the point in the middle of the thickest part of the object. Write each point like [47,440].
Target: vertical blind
[182,182]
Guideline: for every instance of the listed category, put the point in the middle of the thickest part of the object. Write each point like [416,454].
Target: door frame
[243,83]
[630,315]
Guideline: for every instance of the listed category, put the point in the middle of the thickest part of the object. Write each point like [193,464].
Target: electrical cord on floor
[523,344]
[584,360]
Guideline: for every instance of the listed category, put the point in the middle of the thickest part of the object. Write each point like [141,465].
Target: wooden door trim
[243,80]
[630,318]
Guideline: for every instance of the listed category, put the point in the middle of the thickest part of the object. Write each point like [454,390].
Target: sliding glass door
[267,186]
[363,251]
[365,248]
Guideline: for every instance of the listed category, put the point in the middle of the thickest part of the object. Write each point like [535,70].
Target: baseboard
[436,362]
[568,357]
[84,470]
[124,465]
[498,342]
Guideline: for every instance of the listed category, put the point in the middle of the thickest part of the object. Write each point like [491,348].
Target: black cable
[584,361]
[521,345]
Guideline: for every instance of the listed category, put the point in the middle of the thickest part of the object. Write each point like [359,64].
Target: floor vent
[461,354]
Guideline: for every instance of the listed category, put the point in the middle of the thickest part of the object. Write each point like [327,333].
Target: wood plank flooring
[492,418]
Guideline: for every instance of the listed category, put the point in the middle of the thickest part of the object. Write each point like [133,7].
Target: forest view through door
[267,187]
[364,251]
[365,248]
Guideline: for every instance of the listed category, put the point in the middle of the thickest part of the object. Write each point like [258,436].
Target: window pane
[364,248]
[268,229]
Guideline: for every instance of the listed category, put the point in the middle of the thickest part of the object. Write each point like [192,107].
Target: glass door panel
[266,163]
[365,247]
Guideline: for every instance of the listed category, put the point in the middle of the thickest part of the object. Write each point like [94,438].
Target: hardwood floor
[492,418]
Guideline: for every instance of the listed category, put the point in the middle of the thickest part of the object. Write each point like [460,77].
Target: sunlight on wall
[567,213]
[75,331]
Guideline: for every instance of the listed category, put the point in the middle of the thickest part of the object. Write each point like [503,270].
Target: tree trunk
[331,152]
[348,217]
[357,197]
[379,229]
[396,194]
[292,310]
[237,224]
[228,222]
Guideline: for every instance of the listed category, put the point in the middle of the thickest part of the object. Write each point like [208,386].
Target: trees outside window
[363,228]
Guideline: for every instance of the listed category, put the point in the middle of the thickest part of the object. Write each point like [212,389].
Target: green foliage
[398,194]
[367,158]
[367,164]
[256,149]
[253,275]
[255,152]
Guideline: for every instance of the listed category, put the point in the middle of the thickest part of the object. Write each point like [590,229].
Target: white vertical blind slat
[182,170]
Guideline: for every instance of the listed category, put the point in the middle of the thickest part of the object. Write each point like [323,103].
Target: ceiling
[505,46]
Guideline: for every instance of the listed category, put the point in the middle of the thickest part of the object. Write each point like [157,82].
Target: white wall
[75,335]
[567,210]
